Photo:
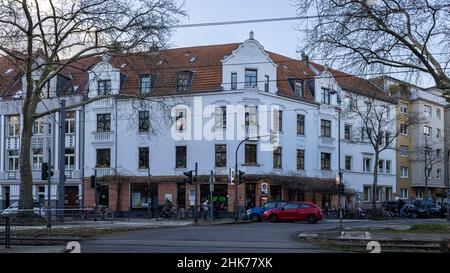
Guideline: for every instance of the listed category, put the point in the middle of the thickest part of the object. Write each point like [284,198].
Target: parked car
[295,211]
[256,214]
[14,208]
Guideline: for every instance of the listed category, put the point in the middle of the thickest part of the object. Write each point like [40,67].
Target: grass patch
[430,227]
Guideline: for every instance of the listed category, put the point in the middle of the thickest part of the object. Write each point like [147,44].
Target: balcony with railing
[70,140]
[251,93]
[103,103]
[13,143]
[103,171]
[327,141]
[12,175]
[251,131]
[102,137]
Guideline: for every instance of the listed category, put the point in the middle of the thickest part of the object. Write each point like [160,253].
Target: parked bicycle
[102,213]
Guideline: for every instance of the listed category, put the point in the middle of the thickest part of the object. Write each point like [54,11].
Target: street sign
[264,188]
[232,176]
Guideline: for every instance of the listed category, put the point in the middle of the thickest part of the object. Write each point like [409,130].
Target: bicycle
[99,213]
[168,213]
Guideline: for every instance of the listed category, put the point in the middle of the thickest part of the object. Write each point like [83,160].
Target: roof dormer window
[104,87]
[184,80]
[145,84]
[193,59]
[299,89]
[251,77]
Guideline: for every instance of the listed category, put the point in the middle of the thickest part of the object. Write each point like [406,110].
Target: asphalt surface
[240,238]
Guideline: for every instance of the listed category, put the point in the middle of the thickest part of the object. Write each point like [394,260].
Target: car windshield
[269,205]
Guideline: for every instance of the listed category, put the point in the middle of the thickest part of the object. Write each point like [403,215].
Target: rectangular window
[378,194]
[368,105]
[70,122]
[325,128]
[438,114]
[386,112]
[144,158]
[278,120]
[367,165]
[145,84]
[13,126]
[381,166]
[403,129]
[326,97]
[13,160]
[419,194]
[104,87]
[38,127]
[438,133]
[347,132]
[221,155]
[183,80]
[300,159]
[438,153]
[181,120]
[438,174]
[251,78]
[427,111]
[69,158]
[403,108]
[266,83]
[250,116]
[404,194]
[325,161]
[351,103]
[103,158]
[404,151]
[404,172]
[233,81]
[388,193]
[388,166]
[300,124]
[427,130]
[367,193]
[428,172]
[144,121]
[299,91]
[180,156]
[103,122]
[348,163]
[277,158]
[37,159]
[221,117]
[250,154]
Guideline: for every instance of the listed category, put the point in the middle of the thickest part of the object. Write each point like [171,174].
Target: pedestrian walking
[205,210]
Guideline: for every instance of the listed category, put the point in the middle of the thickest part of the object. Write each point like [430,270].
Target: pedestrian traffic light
[241,177]
[46,171]
[93,181]
[188,174]
[341,188]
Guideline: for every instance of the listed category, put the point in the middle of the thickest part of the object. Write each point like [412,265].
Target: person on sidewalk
[205,210]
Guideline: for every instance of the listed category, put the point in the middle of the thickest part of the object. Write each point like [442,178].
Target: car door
[302,211]
[288,212]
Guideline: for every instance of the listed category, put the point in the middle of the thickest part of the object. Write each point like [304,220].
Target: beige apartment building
[428,106]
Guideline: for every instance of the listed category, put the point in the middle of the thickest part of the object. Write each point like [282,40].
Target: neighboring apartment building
[195,106]
[427,105]
[447,147]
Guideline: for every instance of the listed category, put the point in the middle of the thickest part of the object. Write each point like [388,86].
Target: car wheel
[254,217]
[273,218]
[312,219]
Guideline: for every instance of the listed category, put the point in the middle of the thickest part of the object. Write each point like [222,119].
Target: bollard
[7,232]
[194,214]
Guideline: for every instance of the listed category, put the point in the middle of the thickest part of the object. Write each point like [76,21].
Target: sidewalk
[32,249]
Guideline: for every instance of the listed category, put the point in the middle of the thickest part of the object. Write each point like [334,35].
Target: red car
[295,211]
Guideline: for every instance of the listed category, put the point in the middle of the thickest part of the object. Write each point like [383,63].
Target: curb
[222,223]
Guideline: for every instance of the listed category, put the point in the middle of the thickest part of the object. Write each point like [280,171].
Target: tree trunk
[375,184]
[26,185]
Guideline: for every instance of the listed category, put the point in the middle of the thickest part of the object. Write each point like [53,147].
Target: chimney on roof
[305,58]
[106,58]
[251,35]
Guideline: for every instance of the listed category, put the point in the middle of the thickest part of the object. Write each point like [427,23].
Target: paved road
[241,238]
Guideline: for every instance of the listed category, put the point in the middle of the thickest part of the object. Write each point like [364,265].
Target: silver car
[14,208]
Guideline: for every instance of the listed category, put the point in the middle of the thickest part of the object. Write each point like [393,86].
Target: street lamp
[334,92]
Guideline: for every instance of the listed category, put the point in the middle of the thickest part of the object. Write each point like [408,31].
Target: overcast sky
[280,37]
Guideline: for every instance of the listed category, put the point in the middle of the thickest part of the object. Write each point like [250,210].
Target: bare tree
[378,128]
[63,32]
[430,156]
[396,34]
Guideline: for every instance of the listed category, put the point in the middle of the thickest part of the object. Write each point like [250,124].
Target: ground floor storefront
[144,196]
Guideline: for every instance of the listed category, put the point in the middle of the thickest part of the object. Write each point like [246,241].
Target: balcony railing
[327,141]
[104,103]
[251,93]
[70,140]
[12,175]
[103,171]
[102,136]
[251,131]
[327,174]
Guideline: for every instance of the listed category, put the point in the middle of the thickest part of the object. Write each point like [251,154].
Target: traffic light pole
[49,192]
[236,182]
[61,160]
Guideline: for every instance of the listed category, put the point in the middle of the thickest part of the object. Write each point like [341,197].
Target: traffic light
[241,177]
[93,181]
[46,171]
[341,189]
[189,179]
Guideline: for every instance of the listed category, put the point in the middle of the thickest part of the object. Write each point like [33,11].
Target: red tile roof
[207,72]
